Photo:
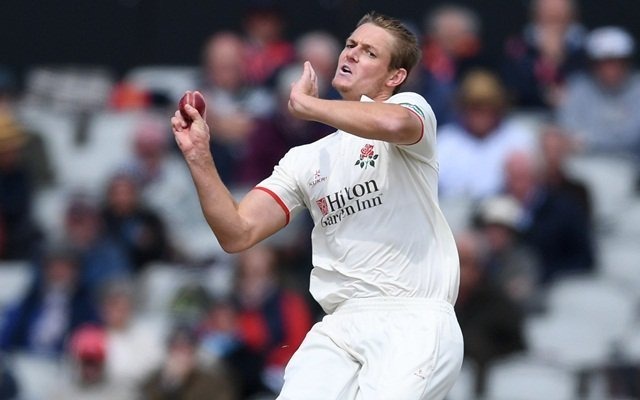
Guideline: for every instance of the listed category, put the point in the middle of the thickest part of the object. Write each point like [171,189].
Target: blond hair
[407,51]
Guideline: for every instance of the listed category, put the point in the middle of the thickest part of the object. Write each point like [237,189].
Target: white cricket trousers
[378,349]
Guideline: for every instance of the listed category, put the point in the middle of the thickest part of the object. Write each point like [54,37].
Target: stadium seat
[14,281]
[524,378]
[172,81]
[69,88]
[572,342]
[619,261]
[629,348]
[57,130]
[109,146]
[628,221]
[610,181]
[158,284]
[593,299]
[37,376]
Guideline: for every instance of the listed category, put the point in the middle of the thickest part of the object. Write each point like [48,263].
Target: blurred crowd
[128,295]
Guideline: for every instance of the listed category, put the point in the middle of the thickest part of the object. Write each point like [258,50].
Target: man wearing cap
[472,150]
[600,107]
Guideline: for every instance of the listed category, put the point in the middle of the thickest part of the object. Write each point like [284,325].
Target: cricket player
[385,265]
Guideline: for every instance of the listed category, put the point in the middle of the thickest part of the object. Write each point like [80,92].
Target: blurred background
[113,287]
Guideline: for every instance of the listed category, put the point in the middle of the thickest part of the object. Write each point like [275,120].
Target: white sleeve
[283,186]
[423,148]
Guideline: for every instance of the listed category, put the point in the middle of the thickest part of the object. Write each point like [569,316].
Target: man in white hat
[600,108]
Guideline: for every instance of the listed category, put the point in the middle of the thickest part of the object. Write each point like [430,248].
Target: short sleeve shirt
[378,230]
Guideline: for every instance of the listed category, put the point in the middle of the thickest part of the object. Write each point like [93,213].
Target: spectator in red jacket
[258,331]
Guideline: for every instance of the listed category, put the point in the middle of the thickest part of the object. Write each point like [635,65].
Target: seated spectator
[554,224]
[232,103]
[138,229]
[86,376]
[33,151]
[267,327]
[556,146]
[273,136]
[165,184]
[440,95]
[102,258]
[452,44]
[132,348]
[491,323]
[472,151]
[321,49]
[550,48]
[510,265]
[56,304]
[21,236]
[181,377]
[600,106]
[267,50]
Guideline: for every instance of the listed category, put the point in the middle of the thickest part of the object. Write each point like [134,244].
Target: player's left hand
[306,85]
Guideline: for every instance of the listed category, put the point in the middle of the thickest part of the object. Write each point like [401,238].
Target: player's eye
[371,54]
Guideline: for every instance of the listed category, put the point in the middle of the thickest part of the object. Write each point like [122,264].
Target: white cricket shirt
[379,231]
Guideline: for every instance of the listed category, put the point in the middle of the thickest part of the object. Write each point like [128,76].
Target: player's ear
[397,77]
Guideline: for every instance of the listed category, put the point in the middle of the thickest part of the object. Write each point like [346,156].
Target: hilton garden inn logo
[348,201]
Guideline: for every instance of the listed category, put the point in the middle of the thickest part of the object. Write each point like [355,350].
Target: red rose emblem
[367,151]
[367,157]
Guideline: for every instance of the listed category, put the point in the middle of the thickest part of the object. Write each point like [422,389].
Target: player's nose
[352,54]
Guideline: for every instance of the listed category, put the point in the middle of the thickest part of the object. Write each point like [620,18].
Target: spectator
[232,103]
[165,184]
[180,377]
[492,324]
[549,49]
[21,236]
[267,49]
[440,95]
[272,137]
[86,377]
[101,257]
[452,45]
[33,151]
[554,224]
[56,303]
[557,146]
[510,265]
[138,229]
[133,349]
[600,106]
[267,327]
[472,151]
[321,49]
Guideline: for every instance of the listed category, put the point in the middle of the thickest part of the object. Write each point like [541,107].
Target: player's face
[363,66]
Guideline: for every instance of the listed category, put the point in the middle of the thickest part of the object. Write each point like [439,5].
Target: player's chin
[341,85]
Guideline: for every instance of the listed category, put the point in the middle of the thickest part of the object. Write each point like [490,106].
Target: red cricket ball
[194,99]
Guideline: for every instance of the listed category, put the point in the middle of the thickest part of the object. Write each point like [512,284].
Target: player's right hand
[192,138]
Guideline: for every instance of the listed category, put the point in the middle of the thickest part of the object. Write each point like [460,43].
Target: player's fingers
[312,71]
[307,70]
[192,113]
[175,124]
[180,122]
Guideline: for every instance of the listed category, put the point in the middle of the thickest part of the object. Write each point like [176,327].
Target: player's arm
[374,120]
[237,226]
